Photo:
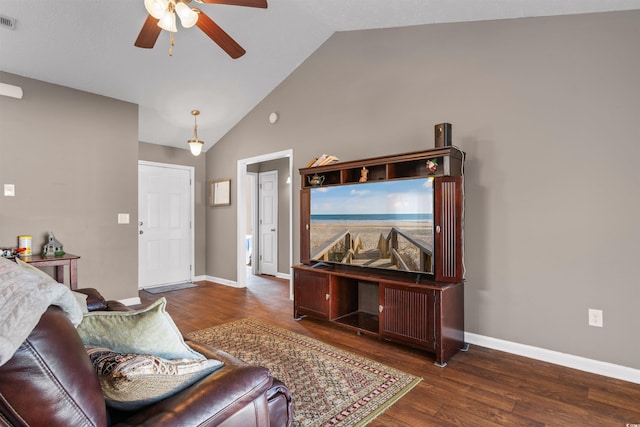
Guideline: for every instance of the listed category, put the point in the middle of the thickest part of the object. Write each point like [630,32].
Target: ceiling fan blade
[218,35]
[149,33]
[249,3]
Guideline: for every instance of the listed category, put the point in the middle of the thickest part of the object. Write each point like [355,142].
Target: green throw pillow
[147,331]
[131,381]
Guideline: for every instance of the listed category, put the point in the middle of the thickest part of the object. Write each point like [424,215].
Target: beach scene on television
[385,224]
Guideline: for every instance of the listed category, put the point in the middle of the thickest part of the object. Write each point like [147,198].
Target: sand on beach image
[323,233]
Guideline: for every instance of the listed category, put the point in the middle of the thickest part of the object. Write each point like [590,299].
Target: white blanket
[24,297]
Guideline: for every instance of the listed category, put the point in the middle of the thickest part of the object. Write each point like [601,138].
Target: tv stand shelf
[366,323]
[408,165]
[427,315]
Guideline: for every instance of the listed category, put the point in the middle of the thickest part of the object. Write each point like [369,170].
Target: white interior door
[165,214]
[268,222]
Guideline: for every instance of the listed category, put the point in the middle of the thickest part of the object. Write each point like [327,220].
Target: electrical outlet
[595,318]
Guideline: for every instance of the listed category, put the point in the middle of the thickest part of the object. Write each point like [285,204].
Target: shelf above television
[449,162]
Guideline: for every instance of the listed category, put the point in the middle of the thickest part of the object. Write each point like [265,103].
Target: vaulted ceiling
[88,45]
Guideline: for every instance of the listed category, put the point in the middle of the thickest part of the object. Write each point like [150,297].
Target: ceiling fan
[162,16]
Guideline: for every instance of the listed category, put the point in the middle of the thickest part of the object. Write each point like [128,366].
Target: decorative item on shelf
[53,247]
[316,180]
[195,144]
[442,135]
[364,173]
[325,159]
[24,245]
[432,165]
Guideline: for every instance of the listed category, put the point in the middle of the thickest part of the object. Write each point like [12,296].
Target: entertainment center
[384,255]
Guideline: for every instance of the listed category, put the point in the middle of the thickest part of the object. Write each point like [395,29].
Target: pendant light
[195,144]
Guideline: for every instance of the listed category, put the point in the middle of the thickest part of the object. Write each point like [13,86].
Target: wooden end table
[58,262]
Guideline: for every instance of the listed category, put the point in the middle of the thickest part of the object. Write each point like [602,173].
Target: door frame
[254,216]
[192,236]
[241,171]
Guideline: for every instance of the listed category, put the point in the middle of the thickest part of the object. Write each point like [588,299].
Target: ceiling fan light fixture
[156,8]
[195,145]
[188,16]
[168,21]
[162,16]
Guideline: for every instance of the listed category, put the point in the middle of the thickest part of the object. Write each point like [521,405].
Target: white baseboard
[233,283]
[570,361]
[199,278]
[222,281]
[130,301]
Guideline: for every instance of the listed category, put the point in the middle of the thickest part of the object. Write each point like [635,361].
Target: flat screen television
[377,224]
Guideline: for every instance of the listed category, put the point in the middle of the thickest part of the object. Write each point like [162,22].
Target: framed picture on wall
[220,192]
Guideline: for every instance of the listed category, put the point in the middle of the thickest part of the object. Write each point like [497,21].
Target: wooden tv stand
[421,310]
[428,315]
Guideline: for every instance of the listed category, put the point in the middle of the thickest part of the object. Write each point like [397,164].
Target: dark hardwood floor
[481,387]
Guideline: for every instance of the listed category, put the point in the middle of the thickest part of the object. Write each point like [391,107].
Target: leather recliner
[50,381]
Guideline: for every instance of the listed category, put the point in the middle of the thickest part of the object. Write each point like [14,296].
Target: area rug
[168,288]
[330,387]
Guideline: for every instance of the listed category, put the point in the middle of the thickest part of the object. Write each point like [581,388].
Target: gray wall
[547,110]
[177,156]
[73,158]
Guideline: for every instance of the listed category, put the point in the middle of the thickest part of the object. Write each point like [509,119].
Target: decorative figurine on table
[53,247]
[364,173]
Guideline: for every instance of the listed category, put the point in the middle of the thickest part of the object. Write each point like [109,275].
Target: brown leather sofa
[51,382]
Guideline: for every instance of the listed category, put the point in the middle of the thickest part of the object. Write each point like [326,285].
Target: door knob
[273,229]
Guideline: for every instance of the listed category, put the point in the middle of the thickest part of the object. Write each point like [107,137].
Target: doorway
[165,232]
[248,167]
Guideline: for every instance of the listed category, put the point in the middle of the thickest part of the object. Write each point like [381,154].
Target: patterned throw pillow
[131,381]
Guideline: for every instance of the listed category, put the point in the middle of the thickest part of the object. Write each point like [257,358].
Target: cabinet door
[407,315]
[448,232]
[310,294]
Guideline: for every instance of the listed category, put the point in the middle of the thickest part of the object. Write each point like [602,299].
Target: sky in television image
[403,197]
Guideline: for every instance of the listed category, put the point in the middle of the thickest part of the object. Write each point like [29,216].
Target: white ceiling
[88,45]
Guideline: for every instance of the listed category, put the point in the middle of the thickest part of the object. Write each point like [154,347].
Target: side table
[58,262]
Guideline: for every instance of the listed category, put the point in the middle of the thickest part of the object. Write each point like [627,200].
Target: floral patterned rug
[330,387]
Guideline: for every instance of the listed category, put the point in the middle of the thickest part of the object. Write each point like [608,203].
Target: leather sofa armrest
[279,399]
[113,305]
[95,300]
[280,404]
[211,401]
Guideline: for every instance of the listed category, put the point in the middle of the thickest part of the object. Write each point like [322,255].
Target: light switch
[123,218]
[9,190]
